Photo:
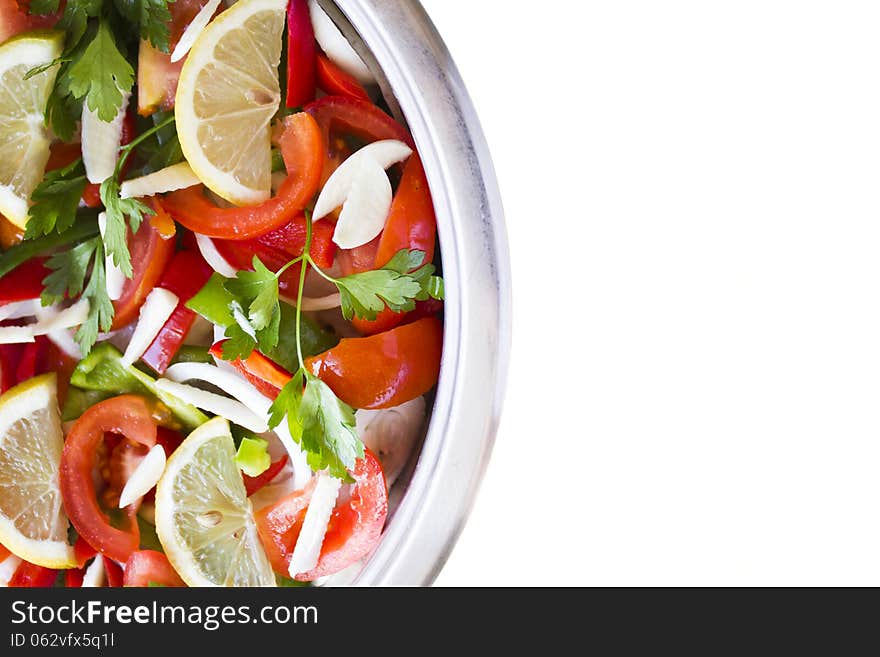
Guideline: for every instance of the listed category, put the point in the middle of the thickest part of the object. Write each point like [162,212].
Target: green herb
[84,228]
[101,75]
[252,457]
[103,371]
[399,284]
[55,201]
[256,293]
[69,271]
[152,17]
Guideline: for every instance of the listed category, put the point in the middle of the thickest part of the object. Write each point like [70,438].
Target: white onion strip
[115,279]
[144,478]
[232,410]
[169,179]
[336,190]
[212,256]
[71,316]
[366,209]
[192,31]
[19,309]
[311,537]
[316,304]
[157,308]
[336,46]
[95,575]
[61,338]
[100,142]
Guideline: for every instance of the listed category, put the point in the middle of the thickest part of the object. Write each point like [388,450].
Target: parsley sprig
[318,420]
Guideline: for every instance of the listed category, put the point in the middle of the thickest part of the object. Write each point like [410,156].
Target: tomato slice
[185,276]
[353,532]
[384,370]
[73,578]
[336,82]
[128,415]
[33,576]
[151,249]
[146,567]
[15,19]
[113,571]
[302,148]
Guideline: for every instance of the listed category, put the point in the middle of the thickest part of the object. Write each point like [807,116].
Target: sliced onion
[232,410]
[100,142]
[115,279]
[338,186]
[366,208]
[95,575]
[299,460]
[308,545]
[61,338]
[71,316]
[169,179]
[19,309]
[392,433]
[192,31]
[316,304]
[144,478]
[336,46]
[157,308]
[7,569]
[212,256]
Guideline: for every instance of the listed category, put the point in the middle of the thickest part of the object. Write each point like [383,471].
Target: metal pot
[421,84]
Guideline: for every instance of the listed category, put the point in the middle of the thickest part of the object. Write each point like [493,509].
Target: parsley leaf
[69,271]
[152,16]
[56,200]
[257,291]
[321,423]
[100,307]
[101,75]
[396,285]
[117,209]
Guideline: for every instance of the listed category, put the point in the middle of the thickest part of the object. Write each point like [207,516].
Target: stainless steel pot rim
[398,39]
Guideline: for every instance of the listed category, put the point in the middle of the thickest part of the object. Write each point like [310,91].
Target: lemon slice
[24,138]
[33,525]
[203,517]
[226,97]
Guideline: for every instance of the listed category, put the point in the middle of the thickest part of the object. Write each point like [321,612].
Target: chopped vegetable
[252,458]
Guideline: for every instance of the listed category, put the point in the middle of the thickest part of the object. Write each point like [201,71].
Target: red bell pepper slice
[264,374]
[384,370]
[130,416]
[24,282]
[73,578]
[303,152]
[113,572]
[253,484]
[146,567]
[33,576]
[185,276]
[336,82]
[27,366]
[300,54]
[10,357]
[353,532]
[278,247]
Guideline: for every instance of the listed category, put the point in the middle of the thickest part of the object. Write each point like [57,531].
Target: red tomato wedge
[151,247]
[15,19]
[302,147]
[353,532]
[146,567]
[128,415]
[384,370]
[254,484]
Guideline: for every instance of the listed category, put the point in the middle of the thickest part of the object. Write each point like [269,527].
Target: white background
[693,201]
